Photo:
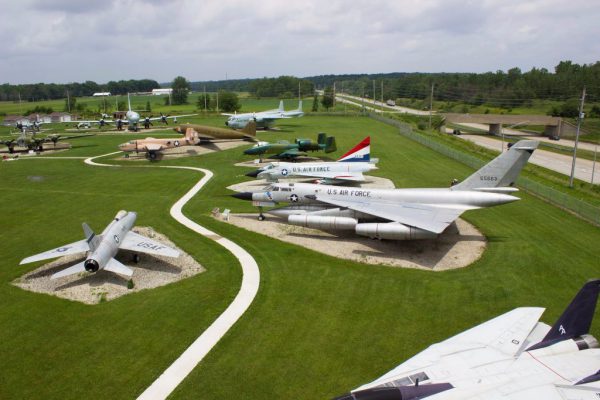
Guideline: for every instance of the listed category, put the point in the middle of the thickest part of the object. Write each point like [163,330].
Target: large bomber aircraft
[132,119]
[396,214]
[511,357]
[29,141]
[348,168]
[263,119]
[101,249]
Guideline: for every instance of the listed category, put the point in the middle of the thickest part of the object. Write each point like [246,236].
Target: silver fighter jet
[397,214]
[102,248]
[511,357]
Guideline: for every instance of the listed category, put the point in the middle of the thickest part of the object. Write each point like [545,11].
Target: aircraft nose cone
[243,195]
[253,174]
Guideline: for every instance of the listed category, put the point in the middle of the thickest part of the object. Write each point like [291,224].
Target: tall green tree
[205,101]
[327,100]
[229,101]
[180,88]
[315,105]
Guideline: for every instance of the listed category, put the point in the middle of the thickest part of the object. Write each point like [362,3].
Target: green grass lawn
[318,327]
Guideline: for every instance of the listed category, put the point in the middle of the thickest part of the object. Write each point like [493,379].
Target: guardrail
[582,209]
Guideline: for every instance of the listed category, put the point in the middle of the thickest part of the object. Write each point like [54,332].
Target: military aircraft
[212,133]
[348,168]
[132,119]
[396,214]
[152,146]
[292,113]
[263,119]
[101,249]
[29,141]
[511,357]
[286,150]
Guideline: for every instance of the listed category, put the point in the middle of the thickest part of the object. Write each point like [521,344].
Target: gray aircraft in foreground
[101,249]
[396,214]
[511,357]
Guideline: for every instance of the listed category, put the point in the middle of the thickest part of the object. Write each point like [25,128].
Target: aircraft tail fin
[322,138]
[503,170]
[576,320]
[359,153]
[330,145]
[299,105]
[191,135]
[114,266]
[74,269]
[128,102]
[281,109]
[250,128]
[90,237]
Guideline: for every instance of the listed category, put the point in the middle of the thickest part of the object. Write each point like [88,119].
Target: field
[318,327]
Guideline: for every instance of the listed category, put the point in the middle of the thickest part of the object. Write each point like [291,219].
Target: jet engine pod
[393,231]
[323,222]
[91,265]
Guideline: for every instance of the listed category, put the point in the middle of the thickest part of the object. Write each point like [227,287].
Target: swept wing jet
[153,146]
[511,357]
[101,249]
[286,150]
[396,214]
[348,168]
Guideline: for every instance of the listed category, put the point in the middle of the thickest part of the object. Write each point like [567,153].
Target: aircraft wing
[68,249]
[136,242]
[432,218]
[169,117]
[498,339]
[291,153]
[348,176]
[270,117]
[154,147]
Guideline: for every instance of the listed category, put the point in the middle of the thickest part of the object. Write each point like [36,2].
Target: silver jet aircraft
[396,214]
[263,119]
[349,167]
[102,248]
[511,357]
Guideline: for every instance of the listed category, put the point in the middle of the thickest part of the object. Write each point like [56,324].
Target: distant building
[158,92]
[100,94]
[12,120]
[62,117]
[45,118]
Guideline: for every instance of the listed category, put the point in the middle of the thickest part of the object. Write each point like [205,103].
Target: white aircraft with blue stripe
[349,167]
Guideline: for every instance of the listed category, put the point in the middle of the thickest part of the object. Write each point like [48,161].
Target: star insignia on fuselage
[294,198]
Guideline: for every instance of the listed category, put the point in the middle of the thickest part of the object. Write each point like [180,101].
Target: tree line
[52,91]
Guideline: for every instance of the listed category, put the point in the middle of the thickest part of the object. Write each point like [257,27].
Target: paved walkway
[164,385]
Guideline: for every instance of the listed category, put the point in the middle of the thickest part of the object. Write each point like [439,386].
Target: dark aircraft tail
[330,145]
[576,320]
[321,138]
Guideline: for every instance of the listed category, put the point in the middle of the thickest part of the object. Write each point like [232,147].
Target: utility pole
[431,107]
[374,98]
[217,100]
[382,97]
[20,109]
[68,102]
[334,95]
[580,117]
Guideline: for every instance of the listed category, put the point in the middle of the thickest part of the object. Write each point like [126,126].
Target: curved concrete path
[176,373]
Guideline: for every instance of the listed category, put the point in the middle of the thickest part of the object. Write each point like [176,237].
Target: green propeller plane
[286,150]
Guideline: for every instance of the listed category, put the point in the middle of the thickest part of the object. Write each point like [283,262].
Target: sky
[101,40]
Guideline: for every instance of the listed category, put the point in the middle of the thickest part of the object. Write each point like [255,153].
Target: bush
[130,284]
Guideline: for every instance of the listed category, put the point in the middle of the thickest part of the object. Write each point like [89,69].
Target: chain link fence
[584,210]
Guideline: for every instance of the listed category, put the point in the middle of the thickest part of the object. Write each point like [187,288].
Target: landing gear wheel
[136,258]
[261,217]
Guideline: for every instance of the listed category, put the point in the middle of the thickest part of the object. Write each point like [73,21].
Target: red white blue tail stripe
[360,153]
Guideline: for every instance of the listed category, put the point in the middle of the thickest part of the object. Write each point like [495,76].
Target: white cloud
[62,40]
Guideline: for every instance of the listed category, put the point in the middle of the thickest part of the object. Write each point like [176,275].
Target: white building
[158,92]
[100,94]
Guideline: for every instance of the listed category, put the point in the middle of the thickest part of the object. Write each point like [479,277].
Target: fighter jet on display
[511,357]
[348,168]
[397,214]
[286,150]
[101,249]
[132,119]
[152,146]
[211,133]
